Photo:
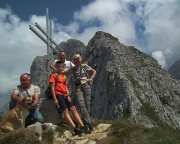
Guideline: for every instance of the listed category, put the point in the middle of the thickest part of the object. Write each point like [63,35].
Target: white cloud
[159,56]
[152,26]
[19,47]
[162,22]
[109,16]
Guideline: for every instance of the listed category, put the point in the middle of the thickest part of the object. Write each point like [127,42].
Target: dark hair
[59,62]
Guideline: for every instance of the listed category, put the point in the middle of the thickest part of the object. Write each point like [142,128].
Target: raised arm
[51,65]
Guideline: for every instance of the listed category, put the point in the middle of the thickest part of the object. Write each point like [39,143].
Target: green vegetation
[20,137]
[126,113]
[1,118]
[150,112]
[125,132]
[121,132]
[132,80]
[61,128]
[48,135]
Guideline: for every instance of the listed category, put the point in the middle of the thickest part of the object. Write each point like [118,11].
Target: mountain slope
[131,84]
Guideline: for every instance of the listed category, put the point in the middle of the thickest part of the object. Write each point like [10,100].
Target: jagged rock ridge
[129,84]
[71,47]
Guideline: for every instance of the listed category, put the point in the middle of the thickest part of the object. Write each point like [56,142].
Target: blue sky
[63,10]
[153,26]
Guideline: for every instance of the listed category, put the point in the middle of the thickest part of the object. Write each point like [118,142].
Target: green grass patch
[20,137]
[61,128]
[132,80]
[150,112]
[121,132]
[126,113]
[1,118]
[48,135]
[126,132]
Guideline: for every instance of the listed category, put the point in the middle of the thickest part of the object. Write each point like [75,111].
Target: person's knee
[73,108]
[39,117]
[65,112]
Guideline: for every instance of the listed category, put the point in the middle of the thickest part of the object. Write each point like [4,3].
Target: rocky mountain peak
[129,83]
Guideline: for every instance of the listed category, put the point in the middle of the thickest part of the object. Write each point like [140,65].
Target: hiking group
[64,99]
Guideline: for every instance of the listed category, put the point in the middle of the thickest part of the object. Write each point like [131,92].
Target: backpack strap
[56,79]
[82,67]
[85,71]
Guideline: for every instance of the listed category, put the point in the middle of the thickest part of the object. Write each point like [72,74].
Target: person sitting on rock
[82,88]
[26,89]
[61,97]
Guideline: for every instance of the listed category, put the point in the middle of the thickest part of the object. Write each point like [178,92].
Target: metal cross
[49,41]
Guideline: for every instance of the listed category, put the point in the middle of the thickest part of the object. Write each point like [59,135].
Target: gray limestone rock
[71,47]
[129,83]
[39,73]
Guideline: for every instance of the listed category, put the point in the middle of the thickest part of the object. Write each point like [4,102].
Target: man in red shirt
[61,97]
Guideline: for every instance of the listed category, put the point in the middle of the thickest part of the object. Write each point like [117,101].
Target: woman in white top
[82,88]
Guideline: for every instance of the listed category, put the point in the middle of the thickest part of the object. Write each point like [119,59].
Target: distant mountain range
[175,69]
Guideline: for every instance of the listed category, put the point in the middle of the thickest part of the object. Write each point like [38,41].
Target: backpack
[48,93]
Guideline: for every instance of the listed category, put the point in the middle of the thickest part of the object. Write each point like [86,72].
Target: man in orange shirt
[61,97]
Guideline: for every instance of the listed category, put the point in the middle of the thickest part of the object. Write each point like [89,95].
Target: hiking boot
[86,129]
[91,127]
[78,131]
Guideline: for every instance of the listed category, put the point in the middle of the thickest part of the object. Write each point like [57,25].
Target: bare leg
[68,118]
[76,116]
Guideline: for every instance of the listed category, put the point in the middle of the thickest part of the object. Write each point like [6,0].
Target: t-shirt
[79,73]
[31,92]
[67,65]
[61,85]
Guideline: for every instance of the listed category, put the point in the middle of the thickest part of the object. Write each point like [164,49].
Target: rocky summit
[129,83]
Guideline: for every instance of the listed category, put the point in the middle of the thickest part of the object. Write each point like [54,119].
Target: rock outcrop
[71,47]
[100,132]
[129,84]
[175,69]
[39,73]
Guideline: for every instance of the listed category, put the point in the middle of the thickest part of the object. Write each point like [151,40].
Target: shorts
[63,102]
